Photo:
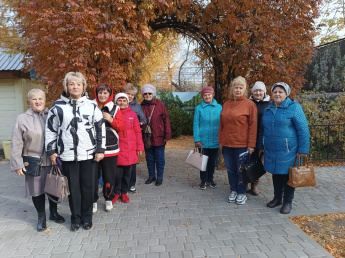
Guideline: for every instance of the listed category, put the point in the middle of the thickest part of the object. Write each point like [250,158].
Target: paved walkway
[173,220]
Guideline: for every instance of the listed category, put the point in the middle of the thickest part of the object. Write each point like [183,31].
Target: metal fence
[327,142]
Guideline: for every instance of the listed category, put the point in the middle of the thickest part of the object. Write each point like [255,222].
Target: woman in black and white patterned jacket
[75,132]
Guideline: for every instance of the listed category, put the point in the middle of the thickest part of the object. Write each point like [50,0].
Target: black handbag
[32,165]
[252,170]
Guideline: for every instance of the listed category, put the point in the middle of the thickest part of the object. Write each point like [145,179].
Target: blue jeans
[282,189]
[211,163]
[232,164]
[155,159]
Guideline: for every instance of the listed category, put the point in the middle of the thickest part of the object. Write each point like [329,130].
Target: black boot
[286,208]
[274,203]
[55,216]
[41,224]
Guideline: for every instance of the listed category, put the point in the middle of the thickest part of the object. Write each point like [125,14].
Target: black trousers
[123,175]
[282,189]
[108,166]
[133,179]
[81,175]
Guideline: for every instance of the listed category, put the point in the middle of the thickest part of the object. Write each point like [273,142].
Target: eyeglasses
[149,93]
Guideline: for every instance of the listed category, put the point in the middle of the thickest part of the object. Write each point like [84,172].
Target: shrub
[181,121]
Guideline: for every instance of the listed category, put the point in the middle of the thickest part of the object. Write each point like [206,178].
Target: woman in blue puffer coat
[205,132]
[283,134]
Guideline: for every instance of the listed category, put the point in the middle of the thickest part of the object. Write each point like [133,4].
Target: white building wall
[11,105]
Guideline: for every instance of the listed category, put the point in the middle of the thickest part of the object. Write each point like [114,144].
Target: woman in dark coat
[261,101]
[283,134]
[160,133]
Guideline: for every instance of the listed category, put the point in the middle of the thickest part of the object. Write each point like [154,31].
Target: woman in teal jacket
[283,134]
[205,132]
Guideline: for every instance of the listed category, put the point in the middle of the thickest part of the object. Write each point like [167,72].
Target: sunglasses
[147,93]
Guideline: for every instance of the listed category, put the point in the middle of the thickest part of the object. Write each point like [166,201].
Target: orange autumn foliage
[100,38]
[262,40]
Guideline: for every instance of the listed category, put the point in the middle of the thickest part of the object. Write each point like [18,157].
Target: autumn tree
[10,40]
[159,63]
[262,40]
[100,38]
[259,39]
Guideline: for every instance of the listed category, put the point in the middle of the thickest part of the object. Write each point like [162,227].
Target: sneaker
[125,198]
[232,196]
[108,205]
[117,196]
[241,199]
[94,207]
[132,189]
[202,186]
[212,184]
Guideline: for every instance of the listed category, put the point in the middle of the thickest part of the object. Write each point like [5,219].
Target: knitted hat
[207,90]
[148,88]
[282,85]
[259,86]
[121,95]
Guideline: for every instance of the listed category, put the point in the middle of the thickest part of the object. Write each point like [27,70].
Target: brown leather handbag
[301,175]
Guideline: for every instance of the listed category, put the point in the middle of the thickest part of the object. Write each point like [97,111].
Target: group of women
[89,136]
[275,131]
[105,135]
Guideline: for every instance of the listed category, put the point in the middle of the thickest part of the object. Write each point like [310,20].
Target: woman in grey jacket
[28,140]
[75,131]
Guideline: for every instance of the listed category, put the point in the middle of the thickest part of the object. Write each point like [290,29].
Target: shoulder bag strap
[151,114]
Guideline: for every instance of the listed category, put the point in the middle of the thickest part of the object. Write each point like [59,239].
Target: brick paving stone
[93,253]
[73,248]
[108,253]
[239,250]
[290,254]
[275,255]
[252,249]
[139,250]
[157,248]
[131,243]
[198,253]
[212,252]
[300,253]
[65,255]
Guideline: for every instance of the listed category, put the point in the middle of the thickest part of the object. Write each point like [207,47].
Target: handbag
[56,184]
[301,175]
[252,170]
[33,164]
[147,132]
[197,160]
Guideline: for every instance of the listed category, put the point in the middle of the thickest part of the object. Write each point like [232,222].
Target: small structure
[14,86]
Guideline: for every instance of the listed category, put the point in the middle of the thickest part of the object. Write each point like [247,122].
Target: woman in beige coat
[28,140]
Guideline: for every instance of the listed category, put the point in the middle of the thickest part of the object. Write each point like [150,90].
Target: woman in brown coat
[28,140]
[237,134]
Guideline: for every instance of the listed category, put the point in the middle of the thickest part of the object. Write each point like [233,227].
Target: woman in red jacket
[237,134]
[131,145]
[114,124]
[160,133]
